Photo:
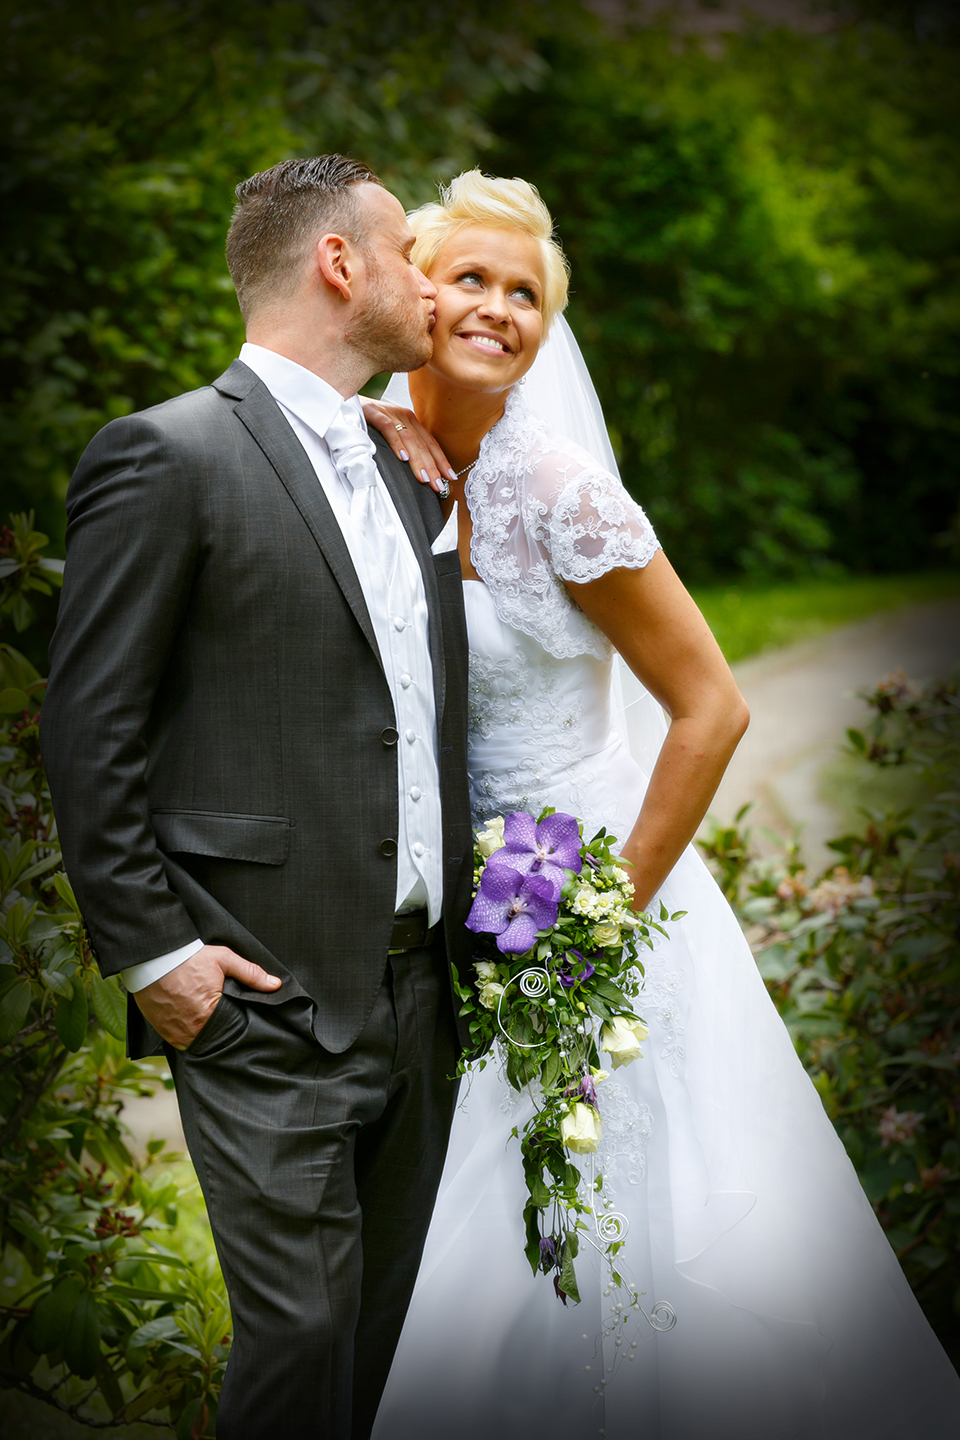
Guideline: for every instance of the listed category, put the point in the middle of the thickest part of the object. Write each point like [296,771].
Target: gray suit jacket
[218,730]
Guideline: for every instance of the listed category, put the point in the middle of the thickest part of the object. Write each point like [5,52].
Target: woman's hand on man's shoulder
[411,443]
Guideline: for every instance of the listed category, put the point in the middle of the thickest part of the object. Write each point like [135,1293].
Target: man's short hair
[281,213]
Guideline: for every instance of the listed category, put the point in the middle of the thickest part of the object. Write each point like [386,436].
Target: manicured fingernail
[404,455]
[452,473]
[424,477]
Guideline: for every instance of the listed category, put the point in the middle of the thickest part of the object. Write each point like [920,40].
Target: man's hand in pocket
[179,1004]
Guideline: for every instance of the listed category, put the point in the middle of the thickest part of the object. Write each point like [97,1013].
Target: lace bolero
[544,511]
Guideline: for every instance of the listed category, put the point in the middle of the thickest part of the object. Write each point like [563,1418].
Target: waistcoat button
[388,848]
[389,736]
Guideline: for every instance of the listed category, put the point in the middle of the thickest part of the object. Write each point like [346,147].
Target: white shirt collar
[297,389]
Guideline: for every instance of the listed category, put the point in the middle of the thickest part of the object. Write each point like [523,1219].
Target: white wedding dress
[745,1215]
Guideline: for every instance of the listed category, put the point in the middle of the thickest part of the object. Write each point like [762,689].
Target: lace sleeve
[594,526]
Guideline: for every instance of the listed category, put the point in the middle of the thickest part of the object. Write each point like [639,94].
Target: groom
[255,733]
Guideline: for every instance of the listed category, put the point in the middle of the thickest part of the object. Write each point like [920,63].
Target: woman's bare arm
[657,628]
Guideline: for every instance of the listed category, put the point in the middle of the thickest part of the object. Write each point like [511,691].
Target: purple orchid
[566,973]
[513,906]
[546,849]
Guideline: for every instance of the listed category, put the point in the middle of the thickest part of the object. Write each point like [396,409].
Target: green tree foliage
[763,236]
[764,239]
[125,131]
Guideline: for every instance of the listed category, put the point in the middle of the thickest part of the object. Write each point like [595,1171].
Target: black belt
[411,932]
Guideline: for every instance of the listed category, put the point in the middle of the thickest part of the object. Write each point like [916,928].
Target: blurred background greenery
[761,207]
[762,216]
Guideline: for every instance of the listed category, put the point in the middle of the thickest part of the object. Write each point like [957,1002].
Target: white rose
[621,1039]
[581,1128]
[606,934]
[492,838]
[486,969]
[490,994]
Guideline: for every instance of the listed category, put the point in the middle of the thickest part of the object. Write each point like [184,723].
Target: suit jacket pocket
[447,563]
[263,839]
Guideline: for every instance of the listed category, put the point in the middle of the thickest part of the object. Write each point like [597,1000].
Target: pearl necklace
[458,473]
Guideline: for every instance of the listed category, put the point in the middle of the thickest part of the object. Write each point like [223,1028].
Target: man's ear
[335,263]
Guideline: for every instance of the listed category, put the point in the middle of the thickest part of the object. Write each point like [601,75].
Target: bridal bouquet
[558,970]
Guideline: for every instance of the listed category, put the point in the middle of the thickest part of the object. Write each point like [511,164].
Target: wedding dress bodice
[537,723]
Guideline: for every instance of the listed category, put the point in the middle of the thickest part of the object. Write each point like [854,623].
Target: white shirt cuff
[138,977]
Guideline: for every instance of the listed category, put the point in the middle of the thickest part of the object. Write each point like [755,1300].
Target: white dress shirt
[397,606]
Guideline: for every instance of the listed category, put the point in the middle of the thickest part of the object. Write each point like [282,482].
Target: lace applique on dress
[658,1004]
[544,512]
[627,1126]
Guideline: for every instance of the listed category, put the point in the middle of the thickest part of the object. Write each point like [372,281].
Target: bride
[745,1215]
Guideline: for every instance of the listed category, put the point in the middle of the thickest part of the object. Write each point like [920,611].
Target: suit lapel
[402,487]
[258,411]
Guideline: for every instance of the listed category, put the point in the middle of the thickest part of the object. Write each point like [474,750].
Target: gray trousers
[319,1172]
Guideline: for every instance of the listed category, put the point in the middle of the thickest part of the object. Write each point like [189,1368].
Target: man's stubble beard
[390,331]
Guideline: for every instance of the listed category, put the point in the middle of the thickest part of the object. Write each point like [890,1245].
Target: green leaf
[14,1008]
[81,1347]
[16,671]
[71,1017]
[609,992]
[109,1005]
[137,1292]
[64,889]
[58,982]
[187,1417]
[551,1069]
[568,1279]
[109,1387]
[13,701]
[163,1328]
[51,1317]
[149,1399]
[42,865]
[539,1193]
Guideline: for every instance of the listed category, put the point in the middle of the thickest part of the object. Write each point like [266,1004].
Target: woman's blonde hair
[477,199]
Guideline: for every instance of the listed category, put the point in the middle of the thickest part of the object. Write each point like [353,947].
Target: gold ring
[398,426]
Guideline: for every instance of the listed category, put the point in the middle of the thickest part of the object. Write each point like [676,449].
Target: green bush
[99,1318]
[864,967]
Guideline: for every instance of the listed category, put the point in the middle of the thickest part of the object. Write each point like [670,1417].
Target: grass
[747,619]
